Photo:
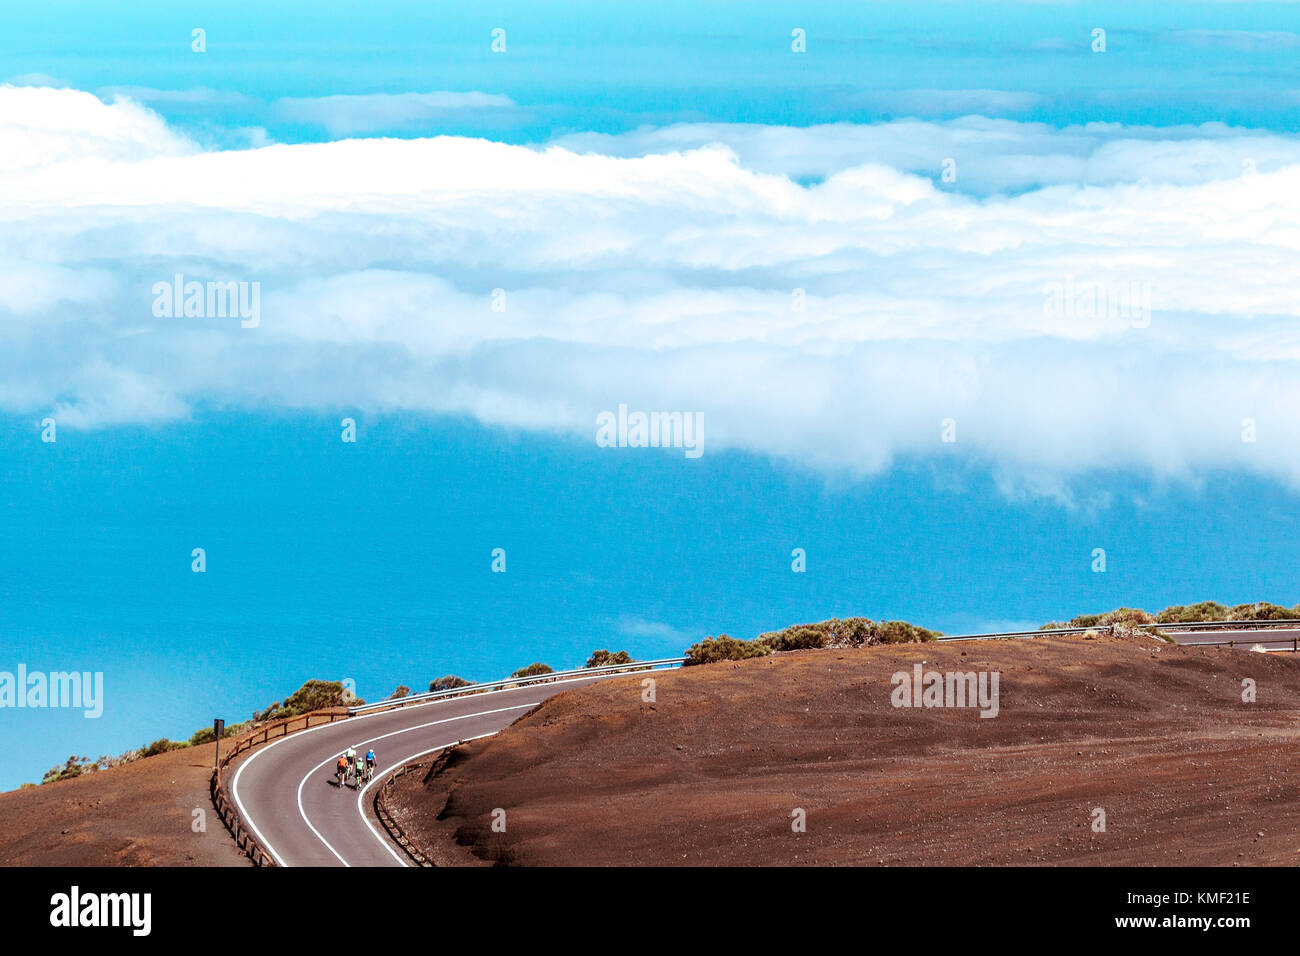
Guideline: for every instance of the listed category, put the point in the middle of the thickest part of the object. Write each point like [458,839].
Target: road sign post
[218,728]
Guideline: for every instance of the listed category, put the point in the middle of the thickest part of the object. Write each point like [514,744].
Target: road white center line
[405,730]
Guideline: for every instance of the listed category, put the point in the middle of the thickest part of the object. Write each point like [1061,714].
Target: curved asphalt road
[286,792]
[287,795]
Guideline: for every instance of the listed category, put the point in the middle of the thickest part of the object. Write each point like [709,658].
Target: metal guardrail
[630,667]
[1293,649]
[1108,628]
[1187,627]
[1182,627]
[1243,625]
[244,838]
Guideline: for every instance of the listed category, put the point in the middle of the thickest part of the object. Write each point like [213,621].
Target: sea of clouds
[661,268]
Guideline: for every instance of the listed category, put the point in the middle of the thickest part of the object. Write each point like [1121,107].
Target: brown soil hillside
[139,814]
[1157,736]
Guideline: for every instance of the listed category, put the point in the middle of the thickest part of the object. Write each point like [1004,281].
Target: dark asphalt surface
[287,794]
[1273,638]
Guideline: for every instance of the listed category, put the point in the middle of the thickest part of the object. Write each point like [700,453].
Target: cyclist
[341,771]
[370,760]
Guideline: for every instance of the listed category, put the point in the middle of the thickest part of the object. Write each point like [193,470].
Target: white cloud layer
[659,269]
[991,155]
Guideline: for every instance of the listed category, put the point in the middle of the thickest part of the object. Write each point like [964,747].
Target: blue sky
[653,188]
[371,561]
[610,67]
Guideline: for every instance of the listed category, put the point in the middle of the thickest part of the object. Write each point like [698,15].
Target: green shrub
[724,648]
[402,691]
[1214,611]
[450,682]
[852,632]
[204,735]
[105,762]
[313,695]
[161,746]
[799,638]
[1132,616]
[73,767]
[900,632]
[1261,611]
[533,670]
[849,632]
[603,658]
[1193,613]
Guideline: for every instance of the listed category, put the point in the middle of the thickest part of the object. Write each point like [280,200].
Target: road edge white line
[387,843]
[247,819]
[302,812]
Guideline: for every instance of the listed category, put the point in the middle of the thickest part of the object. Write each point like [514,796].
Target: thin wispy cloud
[350,115]
[1244,40]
